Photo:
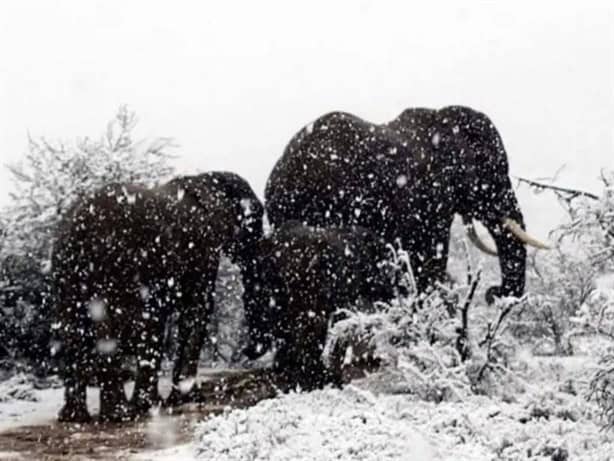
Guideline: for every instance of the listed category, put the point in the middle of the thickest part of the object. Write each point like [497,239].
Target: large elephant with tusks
[125,258]
[405,180]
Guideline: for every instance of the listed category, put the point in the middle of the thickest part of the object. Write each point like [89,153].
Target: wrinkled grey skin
[404,180]
[124,259]
[306,275]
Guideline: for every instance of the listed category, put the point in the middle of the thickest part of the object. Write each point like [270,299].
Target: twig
[572,193]
[463,341]
[491,333]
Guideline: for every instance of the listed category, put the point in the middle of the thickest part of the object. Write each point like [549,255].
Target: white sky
[233,81]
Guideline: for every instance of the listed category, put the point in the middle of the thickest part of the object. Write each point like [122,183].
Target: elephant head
[246,210]
[239,197]
[467,144]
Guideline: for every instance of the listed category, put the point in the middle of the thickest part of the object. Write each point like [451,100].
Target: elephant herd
[126,257]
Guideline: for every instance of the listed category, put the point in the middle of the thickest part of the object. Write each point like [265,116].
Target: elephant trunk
[511,250]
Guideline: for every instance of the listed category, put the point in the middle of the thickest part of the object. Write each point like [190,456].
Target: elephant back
[109,221]
[198,216]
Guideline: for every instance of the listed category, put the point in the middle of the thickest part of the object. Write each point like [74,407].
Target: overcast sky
[233,81]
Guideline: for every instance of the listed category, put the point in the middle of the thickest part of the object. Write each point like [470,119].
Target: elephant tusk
[520,233]
[477,241]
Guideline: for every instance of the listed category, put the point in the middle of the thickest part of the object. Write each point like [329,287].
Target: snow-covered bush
[45,184]
[226,328]
[602,387]
[597,316]
[438,346]
[561,281]
[558,283]
[328,424]
[53,174]
[592,224]
[579,288]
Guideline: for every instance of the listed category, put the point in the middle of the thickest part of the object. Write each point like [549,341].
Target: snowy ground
[547,419]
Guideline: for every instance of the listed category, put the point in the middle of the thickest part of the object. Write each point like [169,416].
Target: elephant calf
[307,274]
[125,257]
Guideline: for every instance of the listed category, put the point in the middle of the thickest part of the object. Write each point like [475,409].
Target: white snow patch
[330,424]
[43,409]
[401,180]
[181,452]
[186,385]
[246,205]
[97,310]
[106,346]
[18,387]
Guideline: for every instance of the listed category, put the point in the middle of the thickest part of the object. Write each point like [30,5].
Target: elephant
[405,180]
[125,257]
[307,274]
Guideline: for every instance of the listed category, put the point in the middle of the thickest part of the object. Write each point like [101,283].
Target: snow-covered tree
[45,184]
[53,174]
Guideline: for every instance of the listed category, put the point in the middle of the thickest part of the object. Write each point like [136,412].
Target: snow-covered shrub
[558,283]
[53,174]
[597,315]
[17,387]
[592,224]
[438,346]
[226,329]
[561,281]
[602,386]
[581,284]
[328,424]
[45,184]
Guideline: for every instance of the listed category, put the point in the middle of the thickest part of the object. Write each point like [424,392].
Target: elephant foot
[176,398]
[117,414]
[493,293]
[141,405]
[75,413]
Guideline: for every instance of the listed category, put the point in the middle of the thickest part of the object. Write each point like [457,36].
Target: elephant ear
[197,190]
[247,207]
[473,135]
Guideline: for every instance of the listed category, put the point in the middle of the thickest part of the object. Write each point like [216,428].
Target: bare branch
[570,193]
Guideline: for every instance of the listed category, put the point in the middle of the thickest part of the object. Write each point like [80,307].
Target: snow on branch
[562,192]
[428,344]
[54,173]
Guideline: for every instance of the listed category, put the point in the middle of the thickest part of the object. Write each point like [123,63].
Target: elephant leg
[299,359]
[191,334]
[110,343]
[75,337]
[74,409]
[113,403]
[300,364]
[429,257]
[316,373]
[192,331]
[149,357]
